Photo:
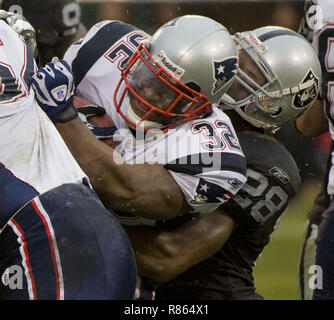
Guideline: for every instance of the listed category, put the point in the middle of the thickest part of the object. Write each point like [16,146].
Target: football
[103,121]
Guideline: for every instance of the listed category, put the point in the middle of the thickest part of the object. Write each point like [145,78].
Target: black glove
[89,111]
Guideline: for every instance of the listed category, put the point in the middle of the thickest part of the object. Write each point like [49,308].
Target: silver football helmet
[292,72]
[185,68]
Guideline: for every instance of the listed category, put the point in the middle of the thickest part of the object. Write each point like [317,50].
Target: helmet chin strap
[257,123]
[254,122]
[131,115]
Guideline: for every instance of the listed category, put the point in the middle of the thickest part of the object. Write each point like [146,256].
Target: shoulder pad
[265,153]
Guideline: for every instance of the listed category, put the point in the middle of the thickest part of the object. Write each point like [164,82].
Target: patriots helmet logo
[171,23]
[223,72]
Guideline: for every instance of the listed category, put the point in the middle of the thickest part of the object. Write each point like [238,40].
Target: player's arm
[162,255]
[313,122]
[146,190]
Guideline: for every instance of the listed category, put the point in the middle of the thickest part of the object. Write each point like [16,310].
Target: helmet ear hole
[193,86]
[148,46]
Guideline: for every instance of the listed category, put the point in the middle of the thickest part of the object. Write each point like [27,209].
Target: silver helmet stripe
[275,33]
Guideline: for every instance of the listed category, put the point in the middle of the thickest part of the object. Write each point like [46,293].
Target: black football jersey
[273,179]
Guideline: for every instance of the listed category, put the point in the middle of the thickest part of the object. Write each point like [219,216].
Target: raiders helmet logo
[305,96]
[223,71]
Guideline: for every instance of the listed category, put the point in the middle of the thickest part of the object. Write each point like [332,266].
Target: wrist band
[68,114]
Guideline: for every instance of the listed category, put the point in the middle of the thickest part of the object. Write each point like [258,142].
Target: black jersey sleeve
[272,180]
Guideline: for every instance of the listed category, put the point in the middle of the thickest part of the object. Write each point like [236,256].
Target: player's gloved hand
[54,90]
[89,111]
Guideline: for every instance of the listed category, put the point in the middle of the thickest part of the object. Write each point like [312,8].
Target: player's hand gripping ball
[54,90]
[97,120]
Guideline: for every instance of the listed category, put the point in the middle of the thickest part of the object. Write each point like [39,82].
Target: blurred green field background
[276,270]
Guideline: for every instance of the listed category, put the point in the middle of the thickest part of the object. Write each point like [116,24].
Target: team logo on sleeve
[235,183]
[207,192]
[223,71]
[310,89]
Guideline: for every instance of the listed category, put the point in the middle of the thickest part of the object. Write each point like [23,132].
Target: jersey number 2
[124,49]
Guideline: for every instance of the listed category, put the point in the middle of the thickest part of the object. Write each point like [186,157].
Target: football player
[57,240]
[178,153]
[318,250]
[57,24]
[163,252]
[263,97]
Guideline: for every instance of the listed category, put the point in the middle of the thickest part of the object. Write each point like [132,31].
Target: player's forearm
[124,188]
[110,179]
[151,193]
[163,255]
[313,121]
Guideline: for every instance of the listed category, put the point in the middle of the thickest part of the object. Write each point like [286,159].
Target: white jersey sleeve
[213,172]
[98,59]
[319,23]
[203,156]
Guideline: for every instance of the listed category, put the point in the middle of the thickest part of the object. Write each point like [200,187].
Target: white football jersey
[34,158]
[320,18]
[203,156]
[98,59]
